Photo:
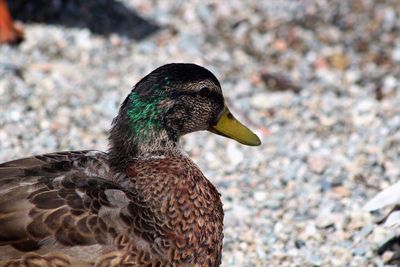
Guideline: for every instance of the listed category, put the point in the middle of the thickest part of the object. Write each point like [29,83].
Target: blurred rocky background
[317,80]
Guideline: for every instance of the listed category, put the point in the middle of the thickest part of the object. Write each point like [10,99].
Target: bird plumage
[144,203]
[388,198]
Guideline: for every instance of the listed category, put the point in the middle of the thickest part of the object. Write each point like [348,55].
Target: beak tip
[255,142]
[258,143]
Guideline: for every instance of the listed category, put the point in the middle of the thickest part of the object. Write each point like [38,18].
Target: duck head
[171,101]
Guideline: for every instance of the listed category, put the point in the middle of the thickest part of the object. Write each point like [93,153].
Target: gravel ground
[317,80]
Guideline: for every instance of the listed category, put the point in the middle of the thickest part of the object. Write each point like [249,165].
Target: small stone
[44,124]
[358,220]
[396,54]
[315,260]
[15,115]
[339,61]
[276,82]
[317,163]
[310,231]
[260,196]
[325,185]
[299,243]
[360,251]
[387,255]
[325,221]
[340,192]
[235,154]
[260,100]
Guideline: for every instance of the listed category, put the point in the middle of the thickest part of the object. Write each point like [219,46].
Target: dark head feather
[173,74]
[174,99]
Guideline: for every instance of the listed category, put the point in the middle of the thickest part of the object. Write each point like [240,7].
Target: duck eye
[205,91]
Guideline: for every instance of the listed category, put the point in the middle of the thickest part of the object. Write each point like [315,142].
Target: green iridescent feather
[143,113]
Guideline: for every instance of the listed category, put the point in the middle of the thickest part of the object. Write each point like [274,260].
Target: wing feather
[68,197]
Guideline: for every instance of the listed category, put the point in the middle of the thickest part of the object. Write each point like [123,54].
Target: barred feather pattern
[72,209]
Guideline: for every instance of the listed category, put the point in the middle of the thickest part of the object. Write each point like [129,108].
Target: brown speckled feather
[160,210]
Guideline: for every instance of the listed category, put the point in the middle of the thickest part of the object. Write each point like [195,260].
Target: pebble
[261,100]
[317,163]
[234,154]
[260,196]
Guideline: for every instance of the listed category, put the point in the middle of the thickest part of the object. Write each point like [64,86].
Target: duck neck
[157,142]
[127,143]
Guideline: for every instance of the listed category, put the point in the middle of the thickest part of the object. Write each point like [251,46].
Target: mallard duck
[143,203]
[389,197]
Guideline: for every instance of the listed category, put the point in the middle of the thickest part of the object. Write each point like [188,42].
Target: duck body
[142,203]
[160,211]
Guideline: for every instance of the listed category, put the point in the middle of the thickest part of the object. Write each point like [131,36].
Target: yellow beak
[230,127]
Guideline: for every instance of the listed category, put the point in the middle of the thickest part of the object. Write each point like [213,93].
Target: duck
[388,198]
[143,202]
[10,32]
